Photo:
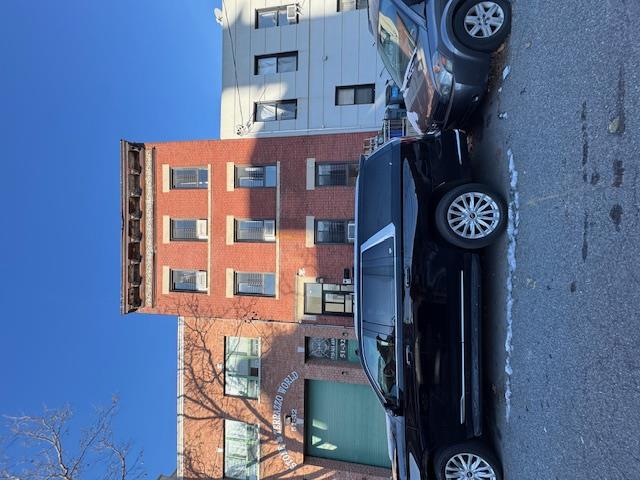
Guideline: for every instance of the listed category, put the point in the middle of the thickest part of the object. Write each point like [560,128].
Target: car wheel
[471,216]
[482,25]
[467,461]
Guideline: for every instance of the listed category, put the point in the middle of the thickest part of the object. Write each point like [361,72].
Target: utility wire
[233,55]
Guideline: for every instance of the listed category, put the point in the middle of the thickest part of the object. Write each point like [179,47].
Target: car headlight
[443,74]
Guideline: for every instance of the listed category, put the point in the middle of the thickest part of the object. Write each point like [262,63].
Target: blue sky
[75,77]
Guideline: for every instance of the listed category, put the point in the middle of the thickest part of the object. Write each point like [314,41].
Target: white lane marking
[512,234]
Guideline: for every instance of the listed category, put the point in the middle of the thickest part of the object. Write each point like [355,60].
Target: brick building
[249,242]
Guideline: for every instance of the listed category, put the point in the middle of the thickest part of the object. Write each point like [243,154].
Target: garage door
[344,422]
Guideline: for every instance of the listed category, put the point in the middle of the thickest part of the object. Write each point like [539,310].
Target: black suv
[419,219]
[438,52]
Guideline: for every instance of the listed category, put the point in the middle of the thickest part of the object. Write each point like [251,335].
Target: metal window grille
[188,280]
[255,284]
[255,230]
[183,280]
[189,178]
[184,230]
[333,231]
[256,176]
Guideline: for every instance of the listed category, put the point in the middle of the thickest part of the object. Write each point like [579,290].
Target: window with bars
[334,349]
[355,94]
[242,367]
[255,230]
[328,299]
[188,280]
[335,231]
[348,5]
[259,284]
[277,63]
[189,229]
[276,110]
[189,178]
[275,17]
[256,176]
[336,174]
[241,450]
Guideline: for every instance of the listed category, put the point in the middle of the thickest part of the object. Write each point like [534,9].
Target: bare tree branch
[39,447]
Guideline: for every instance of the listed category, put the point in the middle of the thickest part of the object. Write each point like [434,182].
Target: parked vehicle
[419,222]
[439,52]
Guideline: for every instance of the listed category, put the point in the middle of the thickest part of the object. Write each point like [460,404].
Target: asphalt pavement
[562,345]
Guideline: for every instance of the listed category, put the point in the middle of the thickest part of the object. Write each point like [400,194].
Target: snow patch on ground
[505,72]
[512,234]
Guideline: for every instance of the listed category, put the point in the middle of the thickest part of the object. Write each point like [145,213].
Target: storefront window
[335,349]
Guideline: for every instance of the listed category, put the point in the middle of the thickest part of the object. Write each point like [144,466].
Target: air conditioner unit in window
[201,281]
[351,232]
[269,230]
[202,232]
[346,281]
[292,13]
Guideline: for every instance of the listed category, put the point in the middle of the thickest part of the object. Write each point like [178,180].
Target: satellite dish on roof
[218,14]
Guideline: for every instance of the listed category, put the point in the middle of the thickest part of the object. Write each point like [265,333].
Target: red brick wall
[296,203]
[206,406]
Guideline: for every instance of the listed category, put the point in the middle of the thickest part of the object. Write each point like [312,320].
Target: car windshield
[397,36]
[378,310]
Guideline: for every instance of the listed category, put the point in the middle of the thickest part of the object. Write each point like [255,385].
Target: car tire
[462,457]
[471,216]
[488,38]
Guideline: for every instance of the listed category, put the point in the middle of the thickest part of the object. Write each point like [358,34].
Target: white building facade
[299,69]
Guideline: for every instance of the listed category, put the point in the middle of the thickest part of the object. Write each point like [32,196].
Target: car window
[378,311]
[380,357]
[397,37]
[378,303]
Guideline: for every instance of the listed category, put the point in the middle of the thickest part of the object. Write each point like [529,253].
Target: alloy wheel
[484,19]
[473,215]
[468,466]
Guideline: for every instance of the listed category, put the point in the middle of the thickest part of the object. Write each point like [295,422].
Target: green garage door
[345,422]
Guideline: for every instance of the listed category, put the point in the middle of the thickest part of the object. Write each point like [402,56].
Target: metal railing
[395,128]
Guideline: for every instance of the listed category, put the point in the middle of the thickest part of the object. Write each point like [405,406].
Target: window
[335,174]
[255,230]
[256,176]
[189,229]
[189,178]
[241,450]
[277,110]
[355,94]
[242,367]
[334,349]
[328,299]
[188,281]
[276,17]
[378,283]
[397,36]
[278,63]
[335,231]
[260,284]
[347,5]
[378,350]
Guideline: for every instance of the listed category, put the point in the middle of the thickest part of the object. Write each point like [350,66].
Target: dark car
[419,222]
[439,53]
